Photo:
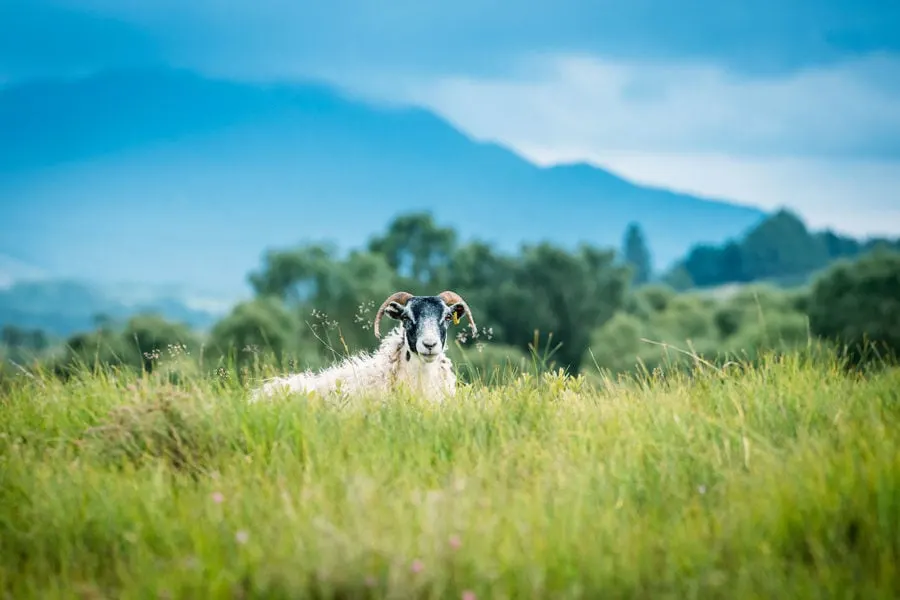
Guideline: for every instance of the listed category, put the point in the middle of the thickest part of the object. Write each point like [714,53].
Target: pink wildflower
[417,566]
[468,595]
[217,497]
[455,542]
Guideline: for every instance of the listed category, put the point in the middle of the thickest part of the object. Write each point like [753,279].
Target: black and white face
[425,322]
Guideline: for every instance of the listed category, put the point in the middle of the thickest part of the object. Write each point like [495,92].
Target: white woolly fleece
[377,372]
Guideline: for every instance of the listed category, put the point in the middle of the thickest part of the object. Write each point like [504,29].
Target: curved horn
[399,298]
[450,298]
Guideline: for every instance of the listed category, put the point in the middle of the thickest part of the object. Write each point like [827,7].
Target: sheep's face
[425,321]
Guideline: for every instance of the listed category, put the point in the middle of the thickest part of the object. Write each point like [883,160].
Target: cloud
[825,141]
[582,104]
[765,101]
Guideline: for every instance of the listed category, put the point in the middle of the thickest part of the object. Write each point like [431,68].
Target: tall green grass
[776,479]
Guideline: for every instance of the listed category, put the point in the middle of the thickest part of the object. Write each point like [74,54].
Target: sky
[769,103]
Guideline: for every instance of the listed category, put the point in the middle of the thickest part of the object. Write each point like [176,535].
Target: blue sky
[767,102]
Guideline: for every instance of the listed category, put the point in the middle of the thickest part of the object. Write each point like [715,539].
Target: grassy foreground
[781,480]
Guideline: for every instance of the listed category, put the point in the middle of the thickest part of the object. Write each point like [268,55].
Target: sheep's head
[425,319]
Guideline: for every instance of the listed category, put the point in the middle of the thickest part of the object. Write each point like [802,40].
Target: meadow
[773,478]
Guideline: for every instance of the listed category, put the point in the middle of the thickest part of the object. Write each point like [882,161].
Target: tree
[416,248]
[22,345]
[616,346]
[781,246]
[100,348]
[704,266]
[637,255]
[567,294]
[149,336]
[296,276]
[145,339]
[486,280]
[678,278]
[839,246]
[859,301]
[731,263]
[33,340]
[312,278]
[650,299]
[263,325]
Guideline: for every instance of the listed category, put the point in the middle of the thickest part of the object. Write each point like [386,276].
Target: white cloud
[825,142]
[629,106]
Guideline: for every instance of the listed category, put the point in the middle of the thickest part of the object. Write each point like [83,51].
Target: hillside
[61,307]
[186,180]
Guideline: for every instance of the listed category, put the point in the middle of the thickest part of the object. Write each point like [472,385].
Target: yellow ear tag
[455,318]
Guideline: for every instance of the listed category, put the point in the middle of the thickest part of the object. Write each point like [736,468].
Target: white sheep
[412,354]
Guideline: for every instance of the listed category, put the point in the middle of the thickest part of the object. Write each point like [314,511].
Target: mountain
[13,270]
[63,307]
[168,177]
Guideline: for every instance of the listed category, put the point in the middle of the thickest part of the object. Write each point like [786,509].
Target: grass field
[779,481]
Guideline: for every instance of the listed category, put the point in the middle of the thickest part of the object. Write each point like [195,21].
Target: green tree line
[780,250]
[587,309]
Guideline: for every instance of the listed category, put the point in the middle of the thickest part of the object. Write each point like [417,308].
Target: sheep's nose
[429,345]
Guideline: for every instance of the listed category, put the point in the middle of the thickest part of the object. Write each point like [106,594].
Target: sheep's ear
[397,299]
[458,307]
[394,310]
[457,311]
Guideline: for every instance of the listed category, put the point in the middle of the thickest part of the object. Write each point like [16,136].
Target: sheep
[412,354]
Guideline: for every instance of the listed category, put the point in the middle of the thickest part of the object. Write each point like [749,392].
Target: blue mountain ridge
[64,307]
[168,177]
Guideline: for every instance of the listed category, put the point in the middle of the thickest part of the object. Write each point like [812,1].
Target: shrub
[856,303]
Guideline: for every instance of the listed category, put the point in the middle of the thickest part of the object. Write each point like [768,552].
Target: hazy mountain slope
[62,307]
[167,177]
